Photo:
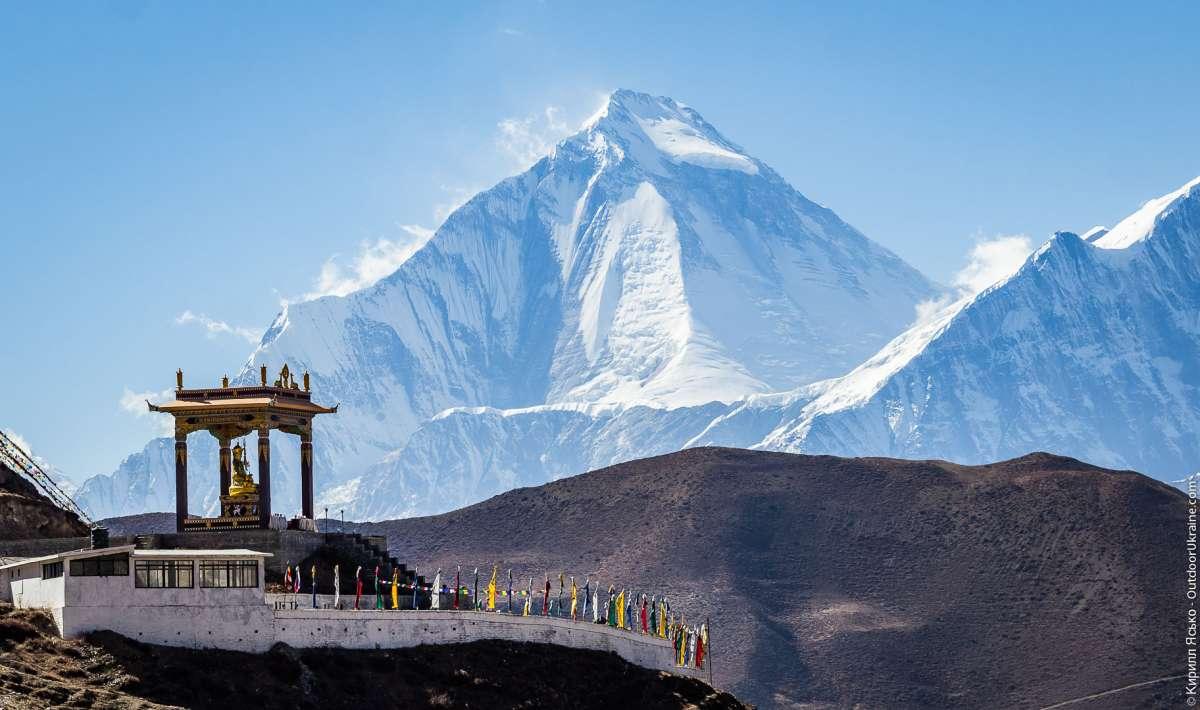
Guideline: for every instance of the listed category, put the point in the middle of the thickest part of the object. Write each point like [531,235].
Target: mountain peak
[653,128]
[1138,225]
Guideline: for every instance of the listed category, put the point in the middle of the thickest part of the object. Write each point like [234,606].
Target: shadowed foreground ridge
[105,670]
[881,582]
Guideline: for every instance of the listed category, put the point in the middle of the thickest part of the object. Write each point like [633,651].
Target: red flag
[546,598]
[357,586]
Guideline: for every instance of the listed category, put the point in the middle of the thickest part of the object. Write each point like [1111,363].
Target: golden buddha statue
[242,483]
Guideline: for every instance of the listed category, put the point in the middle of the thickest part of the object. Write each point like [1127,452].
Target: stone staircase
[372,549]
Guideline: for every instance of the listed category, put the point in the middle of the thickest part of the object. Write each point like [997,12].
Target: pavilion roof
[213,401]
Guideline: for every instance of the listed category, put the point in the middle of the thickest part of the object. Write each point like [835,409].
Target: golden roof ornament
[179,379]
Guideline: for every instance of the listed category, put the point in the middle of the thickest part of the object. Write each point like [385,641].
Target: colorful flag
[560,593]
[546,597]
[612,605]
[491,604]
[395,587]
[287,577]
[357,585]
[475,594]
[378,590]
[416,586]
[574,600]
[296,580]
[587,588]
[529,598]
[645,619]
[435,601]
[314,585]
[337,588]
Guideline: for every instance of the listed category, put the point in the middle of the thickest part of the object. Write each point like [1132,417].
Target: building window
[52,570]
[229,573]
[110,566]
[162,574]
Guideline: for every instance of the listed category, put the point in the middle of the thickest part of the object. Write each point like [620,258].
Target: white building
[215,599]
[197,598]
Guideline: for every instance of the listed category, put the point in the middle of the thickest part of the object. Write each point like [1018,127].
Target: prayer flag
[314,585]
[574,599]
[357,585]
[337,588]
[378,590]
[435,602]
[395,587]
[491,588]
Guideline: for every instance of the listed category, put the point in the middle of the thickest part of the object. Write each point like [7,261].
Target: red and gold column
[181,501]
[264,476]
[226,465]
[306,474]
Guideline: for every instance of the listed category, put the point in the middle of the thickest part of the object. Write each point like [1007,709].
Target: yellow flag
[396,588]
[492,590]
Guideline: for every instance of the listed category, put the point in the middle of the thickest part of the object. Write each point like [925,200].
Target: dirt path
[1114,691]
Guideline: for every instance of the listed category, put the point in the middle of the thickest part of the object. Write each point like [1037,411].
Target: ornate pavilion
[232,412]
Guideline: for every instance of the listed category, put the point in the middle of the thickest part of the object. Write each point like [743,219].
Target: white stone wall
[195,617]
[401,629]
[27,589]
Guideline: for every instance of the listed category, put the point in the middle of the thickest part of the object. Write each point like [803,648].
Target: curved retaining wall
[306,628]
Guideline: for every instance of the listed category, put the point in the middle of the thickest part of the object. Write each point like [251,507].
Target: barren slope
[881,582]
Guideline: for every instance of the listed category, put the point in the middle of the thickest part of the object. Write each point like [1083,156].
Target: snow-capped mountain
[648,264]
[1092,349]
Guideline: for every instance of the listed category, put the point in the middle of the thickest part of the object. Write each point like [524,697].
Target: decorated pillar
[226,465]
[264,475]
[306,474]
[181,501]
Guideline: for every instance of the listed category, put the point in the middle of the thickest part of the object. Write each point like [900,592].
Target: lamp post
[342,528]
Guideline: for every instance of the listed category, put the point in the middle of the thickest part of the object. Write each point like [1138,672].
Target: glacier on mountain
[1089,349]
[649,286]
[647,262]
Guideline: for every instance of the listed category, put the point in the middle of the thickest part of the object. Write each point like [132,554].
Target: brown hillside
[26,513]
[870,582]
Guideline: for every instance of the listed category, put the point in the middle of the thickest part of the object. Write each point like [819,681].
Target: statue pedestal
[240,506]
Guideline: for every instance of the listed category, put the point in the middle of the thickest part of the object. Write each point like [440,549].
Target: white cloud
[511,32]
[374,261]
[527,140]
[214,327]
[989,262]
[135,403]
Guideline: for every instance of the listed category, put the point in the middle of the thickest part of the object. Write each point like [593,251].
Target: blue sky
[170,173]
